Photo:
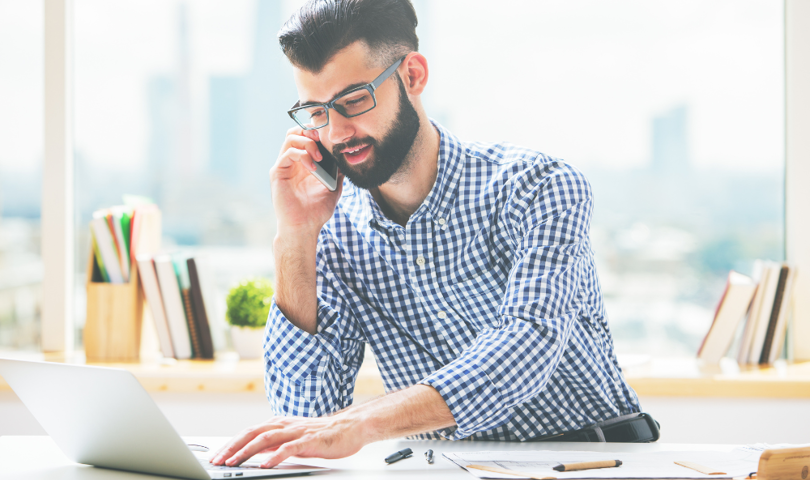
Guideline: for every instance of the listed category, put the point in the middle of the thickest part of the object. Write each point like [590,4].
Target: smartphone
[326,170]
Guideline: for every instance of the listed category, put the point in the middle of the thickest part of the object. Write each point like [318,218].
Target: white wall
[730,420]
[683,420]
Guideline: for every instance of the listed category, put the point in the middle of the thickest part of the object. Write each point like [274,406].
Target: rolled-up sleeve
[313,375]
[511,363]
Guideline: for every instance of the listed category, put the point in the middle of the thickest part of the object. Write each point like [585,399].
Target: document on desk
[541,463]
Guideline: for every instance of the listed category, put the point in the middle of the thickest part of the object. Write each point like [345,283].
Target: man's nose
[340,128]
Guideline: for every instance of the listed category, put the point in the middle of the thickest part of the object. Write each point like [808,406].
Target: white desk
[35,458]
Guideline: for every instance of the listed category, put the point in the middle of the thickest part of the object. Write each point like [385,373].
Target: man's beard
[389,153]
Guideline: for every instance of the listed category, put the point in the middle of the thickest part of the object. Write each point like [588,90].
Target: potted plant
[248,307]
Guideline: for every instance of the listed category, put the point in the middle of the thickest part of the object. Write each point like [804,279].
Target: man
[467,268]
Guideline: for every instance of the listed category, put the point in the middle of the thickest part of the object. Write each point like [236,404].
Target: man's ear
[416,73]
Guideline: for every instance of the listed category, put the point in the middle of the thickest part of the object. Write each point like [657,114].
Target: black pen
[397,456]
[429,456]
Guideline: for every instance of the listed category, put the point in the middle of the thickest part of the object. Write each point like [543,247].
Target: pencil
[568,467]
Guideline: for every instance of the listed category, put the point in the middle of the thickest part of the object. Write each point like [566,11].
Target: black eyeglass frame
[370,87]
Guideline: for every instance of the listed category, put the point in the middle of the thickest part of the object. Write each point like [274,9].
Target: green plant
[249,303]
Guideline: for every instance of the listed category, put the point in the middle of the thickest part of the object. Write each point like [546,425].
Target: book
[730,311]
[120,221]
[747,338]
[151,290]
[765,310]
[126,228]
[214,304]
[99,265]
[200,312]
[173,304]
[118,240]
[192,325]
[106,246]
[780,336]
[181,269]
[146,230]
[768,343]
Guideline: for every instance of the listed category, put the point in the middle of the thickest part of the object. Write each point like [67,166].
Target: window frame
[58,210]
[797,165]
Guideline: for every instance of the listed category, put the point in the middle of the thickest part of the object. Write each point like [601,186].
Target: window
[184,102]
[21,43]
[675,111]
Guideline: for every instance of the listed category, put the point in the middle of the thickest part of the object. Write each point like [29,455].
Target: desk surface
[38,457]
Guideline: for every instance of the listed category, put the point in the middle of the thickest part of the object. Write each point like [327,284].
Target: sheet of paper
[540,463]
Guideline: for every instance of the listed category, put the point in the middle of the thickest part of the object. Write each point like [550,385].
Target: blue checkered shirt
[489,294]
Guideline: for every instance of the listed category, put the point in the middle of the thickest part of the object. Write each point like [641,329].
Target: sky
[576,79]
[21,86]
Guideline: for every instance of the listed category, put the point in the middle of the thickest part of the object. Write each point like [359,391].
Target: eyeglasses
[356,101]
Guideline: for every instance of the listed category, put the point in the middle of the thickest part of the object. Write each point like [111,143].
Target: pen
[587,465]
[397,456]
[429,455]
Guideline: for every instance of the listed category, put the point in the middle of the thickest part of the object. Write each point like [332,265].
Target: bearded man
[466,267]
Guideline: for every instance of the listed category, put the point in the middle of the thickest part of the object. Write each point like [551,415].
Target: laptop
[103,417]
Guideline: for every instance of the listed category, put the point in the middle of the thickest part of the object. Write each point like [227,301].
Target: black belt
[632,428]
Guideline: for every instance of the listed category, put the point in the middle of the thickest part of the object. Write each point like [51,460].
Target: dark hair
[321,28]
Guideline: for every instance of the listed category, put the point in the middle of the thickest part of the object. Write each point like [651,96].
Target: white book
[146,230]
[106,246]
[731,310]
[759,275]
[764,313]
[151,289]
[173,303]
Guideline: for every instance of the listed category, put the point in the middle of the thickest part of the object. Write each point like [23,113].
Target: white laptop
[103,417]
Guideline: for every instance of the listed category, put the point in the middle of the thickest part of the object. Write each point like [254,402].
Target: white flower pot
[247,341]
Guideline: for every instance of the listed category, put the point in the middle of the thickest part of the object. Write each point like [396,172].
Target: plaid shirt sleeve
[313,375]
[549,213]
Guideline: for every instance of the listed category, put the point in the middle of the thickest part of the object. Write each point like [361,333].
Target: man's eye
[317,114]
[354,101]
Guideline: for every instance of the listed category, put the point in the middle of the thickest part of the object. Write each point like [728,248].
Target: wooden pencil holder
[784,464]
[112,331]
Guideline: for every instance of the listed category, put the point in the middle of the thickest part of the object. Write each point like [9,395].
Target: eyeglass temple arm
[387,73]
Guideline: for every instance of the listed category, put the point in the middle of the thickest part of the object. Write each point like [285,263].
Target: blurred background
[674,110]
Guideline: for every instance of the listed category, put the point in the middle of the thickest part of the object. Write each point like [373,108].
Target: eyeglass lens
[349,105]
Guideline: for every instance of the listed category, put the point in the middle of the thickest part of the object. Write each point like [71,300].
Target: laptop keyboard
[208,466]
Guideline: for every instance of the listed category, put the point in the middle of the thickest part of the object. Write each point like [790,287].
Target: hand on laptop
[414,410]
[325,437]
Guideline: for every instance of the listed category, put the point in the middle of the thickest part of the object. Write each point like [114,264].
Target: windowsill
[227,373]
[687,377]
[660,377]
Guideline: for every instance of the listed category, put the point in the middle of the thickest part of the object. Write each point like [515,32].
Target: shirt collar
[440,200]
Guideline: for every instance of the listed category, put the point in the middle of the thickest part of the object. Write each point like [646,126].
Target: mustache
[355,142]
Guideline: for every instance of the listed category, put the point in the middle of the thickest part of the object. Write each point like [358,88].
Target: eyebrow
[345,90]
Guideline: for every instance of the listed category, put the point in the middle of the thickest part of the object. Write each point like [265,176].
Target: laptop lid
[102,416]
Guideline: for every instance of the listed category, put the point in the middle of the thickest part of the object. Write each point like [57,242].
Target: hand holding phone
[326,170]
[302,204]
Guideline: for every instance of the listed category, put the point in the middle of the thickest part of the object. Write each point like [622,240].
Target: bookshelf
[659,377]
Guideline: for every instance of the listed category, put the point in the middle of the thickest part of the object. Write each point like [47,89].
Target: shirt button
[442,221]
[420,260]
[442,315]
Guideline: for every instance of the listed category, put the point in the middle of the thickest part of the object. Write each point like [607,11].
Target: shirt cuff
[293,352]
